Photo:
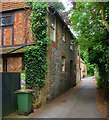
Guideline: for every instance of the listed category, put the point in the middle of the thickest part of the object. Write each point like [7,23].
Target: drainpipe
[79,61]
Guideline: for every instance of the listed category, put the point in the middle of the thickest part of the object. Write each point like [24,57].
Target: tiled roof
[5,6]
[7,50]
[11,50]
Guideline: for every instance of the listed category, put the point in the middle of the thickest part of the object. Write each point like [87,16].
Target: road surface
[80,102]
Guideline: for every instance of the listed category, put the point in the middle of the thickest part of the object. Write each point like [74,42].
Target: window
[6,20]
[53,28]
[63,34]
[63,64]
[71,45]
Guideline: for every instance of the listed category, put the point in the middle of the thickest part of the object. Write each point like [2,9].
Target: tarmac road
[79,102]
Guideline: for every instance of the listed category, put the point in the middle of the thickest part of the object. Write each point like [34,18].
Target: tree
[92,33]
[105,14]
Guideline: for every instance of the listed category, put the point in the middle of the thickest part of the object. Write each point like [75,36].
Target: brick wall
[15,35]
[14,64]
[19,27]
[22,29]
[19,33]
[8,37]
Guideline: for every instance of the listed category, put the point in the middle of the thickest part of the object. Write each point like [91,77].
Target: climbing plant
[35,56]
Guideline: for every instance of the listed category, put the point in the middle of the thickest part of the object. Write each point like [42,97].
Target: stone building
[15,34]
[83,68]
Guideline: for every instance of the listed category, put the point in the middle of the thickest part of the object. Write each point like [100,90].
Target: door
[71,72]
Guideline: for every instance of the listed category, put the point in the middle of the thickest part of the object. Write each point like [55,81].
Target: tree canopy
[90,23]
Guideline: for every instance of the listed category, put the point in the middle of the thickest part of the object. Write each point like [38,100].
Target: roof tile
[6,6]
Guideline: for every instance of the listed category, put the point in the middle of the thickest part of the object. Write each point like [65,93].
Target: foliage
[35,56]
[92,34]
[35,66]
[99,81]
[85,56]
[105,14]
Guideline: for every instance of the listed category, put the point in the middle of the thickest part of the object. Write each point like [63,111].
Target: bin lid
[24,91]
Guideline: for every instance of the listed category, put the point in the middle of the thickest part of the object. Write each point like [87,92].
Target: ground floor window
[63,64]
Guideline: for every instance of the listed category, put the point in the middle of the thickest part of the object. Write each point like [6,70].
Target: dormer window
[6,20]
[53,28]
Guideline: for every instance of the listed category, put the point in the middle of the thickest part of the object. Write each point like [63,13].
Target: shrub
[99,81]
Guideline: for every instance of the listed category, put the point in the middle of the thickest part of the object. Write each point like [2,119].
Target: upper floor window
[71,45]
[6,20]
[63,34]
[53,28]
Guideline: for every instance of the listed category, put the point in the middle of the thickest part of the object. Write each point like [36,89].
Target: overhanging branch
[105,23]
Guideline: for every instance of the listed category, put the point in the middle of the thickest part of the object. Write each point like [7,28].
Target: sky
[66,4]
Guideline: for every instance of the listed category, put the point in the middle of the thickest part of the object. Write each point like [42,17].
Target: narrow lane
[80,103]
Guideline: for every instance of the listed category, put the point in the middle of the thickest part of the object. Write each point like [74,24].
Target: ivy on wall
[35,56]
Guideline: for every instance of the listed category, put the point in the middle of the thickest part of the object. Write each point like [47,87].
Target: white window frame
[53,28]
[71,45]
[63,64]
[63,35]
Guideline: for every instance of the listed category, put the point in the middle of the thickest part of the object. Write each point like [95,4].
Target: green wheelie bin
[24,98]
